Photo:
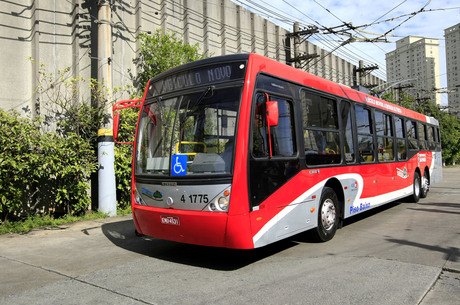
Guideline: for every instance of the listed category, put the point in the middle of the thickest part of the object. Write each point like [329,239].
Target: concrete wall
[54,34]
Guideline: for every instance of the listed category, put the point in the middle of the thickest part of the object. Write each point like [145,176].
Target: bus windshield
[188,134]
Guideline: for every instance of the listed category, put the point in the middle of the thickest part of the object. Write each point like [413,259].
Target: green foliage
[160,52]
[41,172]
[450,138]
[123,157]
[73,113]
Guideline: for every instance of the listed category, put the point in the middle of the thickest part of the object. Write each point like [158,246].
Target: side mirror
[272,113]
[272,116]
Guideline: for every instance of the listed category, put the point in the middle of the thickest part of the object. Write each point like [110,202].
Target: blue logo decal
[179,165]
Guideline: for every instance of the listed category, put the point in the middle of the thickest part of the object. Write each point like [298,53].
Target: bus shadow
[308,237]
[121,234]
[440,204]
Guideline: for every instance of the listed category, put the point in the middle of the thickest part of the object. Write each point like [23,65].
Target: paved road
[403,254]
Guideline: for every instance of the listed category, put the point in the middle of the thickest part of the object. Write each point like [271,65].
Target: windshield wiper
[195,103]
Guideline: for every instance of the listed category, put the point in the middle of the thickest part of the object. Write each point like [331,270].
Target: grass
[46,221]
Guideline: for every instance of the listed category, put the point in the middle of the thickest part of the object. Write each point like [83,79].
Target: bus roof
[261,64]
[274,68]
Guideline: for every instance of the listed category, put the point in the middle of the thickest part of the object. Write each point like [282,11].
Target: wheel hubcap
[328,214]
[417,187]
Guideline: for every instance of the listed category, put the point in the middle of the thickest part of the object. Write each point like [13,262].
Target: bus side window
[401,145]
[430,137]
[384,130]
[437,136]
[284,144]
[421,135]
[365,134]
[259,130]
[347,130]
[321,129]
[282,135]
[411,134]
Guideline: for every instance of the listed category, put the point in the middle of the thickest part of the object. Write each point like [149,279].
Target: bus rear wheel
[425,185]
[328,216]
[416,188]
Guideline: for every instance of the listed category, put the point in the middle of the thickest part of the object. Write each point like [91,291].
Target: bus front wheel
[328,216]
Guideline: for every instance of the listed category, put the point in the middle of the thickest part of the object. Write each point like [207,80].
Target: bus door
[273,158]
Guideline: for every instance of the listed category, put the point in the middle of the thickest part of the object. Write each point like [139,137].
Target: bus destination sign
[206,75]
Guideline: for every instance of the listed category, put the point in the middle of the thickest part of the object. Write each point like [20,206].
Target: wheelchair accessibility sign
[179,165]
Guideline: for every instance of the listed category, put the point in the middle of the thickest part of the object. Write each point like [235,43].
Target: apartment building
[415,62]
[452,36]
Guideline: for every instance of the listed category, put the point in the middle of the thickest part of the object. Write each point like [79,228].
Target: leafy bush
[123,157]
[41,172]
[71,113]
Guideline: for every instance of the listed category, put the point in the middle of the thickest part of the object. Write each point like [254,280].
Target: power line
[335,48]
[373,22]
[410,17]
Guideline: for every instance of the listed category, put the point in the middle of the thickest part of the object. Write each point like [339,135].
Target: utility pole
[107,198]
[400,88]
[296,29]
[296,34]
[363,71]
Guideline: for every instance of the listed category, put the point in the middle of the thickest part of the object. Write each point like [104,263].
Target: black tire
[424,185]
[416,188]
[328,216]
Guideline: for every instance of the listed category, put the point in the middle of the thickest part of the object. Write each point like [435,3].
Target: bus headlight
[222,202]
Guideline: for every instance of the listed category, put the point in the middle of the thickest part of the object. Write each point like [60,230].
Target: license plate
[170,220]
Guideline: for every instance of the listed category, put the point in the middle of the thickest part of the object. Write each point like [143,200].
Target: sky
[437,16]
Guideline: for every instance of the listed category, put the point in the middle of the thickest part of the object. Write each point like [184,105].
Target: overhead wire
[395,7]
[410,17]
[333,48]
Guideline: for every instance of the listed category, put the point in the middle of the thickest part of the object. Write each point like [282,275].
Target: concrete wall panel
[60,34]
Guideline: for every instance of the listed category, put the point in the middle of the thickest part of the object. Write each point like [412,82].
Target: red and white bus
[241,151]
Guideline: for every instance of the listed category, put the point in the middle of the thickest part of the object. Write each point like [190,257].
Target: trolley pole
[107,199]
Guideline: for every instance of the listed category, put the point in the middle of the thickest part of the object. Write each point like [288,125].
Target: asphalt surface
[404,253]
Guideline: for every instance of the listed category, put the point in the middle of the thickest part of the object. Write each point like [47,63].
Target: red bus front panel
[191,227]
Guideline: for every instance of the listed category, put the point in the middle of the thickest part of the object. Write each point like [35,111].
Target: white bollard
[107,198]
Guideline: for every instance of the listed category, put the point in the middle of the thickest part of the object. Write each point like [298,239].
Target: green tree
[160,52]
[450,137]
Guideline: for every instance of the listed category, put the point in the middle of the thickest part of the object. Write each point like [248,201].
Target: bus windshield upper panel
[191,133]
